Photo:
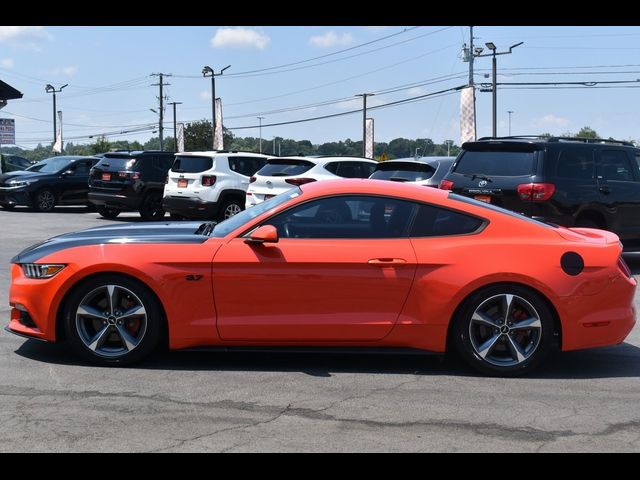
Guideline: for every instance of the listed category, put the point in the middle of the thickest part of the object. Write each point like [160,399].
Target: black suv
[573,182]
[54,181]
[130,181]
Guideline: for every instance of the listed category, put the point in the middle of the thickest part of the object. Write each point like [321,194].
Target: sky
[290,73]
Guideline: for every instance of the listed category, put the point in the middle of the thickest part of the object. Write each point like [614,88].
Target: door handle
[605,190]
[383,262]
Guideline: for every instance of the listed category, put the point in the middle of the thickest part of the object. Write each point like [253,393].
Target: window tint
[614,165]
[350,169]
[166,161]
[191,164]
[404,171]
[498,163]
[433,221]
[283,167]
[346,217]
[574,163]
[638,164]
[82,168]
[246,165]
[118,163]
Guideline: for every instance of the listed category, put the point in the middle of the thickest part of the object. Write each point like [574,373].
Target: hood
[155,232]
[22,175]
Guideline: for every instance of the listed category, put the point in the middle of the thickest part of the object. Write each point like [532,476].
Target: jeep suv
[571,182]
[210,184]
[130,181]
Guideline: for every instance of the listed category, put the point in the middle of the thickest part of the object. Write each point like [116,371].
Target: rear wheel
[107,212]
[8,207]
[113,319]
[229,209]
[151,208]
[504,330]
[44,200]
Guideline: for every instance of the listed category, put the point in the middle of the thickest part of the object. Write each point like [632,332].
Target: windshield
[496,163]
[283,167]
[50,165]
[403,171]
[117,163]
[230,224]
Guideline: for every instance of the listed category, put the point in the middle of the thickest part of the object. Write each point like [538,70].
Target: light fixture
[491,45]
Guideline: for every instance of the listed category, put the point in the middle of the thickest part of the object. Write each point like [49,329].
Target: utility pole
[51,89]
[471,56]
[161,84]
[494,69]
[364,120]
[175,126]
[260,119]
[207,71]
[509,112]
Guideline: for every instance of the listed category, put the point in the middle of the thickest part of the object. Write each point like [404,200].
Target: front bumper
[190,207]
[12,198]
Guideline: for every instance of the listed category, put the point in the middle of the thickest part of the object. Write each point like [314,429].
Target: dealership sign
[7,131]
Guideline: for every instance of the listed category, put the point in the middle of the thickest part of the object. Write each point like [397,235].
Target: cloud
[68,71]
[331,39]
[7,63]
[26,37]
[415,91]
[551,120]
[239,37]
[205,95]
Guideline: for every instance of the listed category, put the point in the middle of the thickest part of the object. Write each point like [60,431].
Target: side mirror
[66,173]
[263,234]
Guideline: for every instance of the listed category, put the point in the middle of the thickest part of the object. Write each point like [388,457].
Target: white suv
[281,174]
[209,184]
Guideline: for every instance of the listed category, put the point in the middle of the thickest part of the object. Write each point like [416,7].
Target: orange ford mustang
[348,263]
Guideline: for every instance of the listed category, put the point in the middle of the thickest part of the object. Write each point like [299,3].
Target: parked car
[423,170]
[567,181]
[13,163]
[54,181]
[210,184]
[426,270]
[123,181]
[281,174]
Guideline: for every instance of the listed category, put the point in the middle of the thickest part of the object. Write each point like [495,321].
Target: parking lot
[204,401]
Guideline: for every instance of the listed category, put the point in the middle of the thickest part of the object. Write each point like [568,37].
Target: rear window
[403,171]
[191,164]
[497,163]
[118,163]
[284,167]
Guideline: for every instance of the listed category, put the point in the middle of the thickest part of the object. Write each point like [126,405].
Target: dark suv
[130,181]
[572,182]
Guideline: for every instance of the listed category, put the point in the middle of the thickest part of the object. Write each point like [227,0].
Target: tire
[498,348]
[8,207]
[44,200]
[175,216]
[230,208]
[108,339]
[107,212]
[588,223]
[151,208]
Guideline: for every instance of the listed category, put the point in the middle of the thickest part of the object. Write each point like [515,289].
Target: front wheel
[151,208]
[504,330]
[44,200]
[229,209]
[113,320]
[107,212]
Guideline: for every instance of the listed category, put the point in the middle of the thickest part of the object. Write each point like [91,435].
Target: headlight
[19,183]
[37,270]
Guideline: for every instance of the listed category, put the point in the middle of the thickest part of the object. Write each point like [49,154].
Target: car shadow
[619,361]
[59,209]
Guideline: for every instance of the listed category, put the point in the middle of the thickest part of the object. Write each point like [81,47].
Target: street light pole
[175,126]
[207,71]
[509,112]
[364,120]
[260,119]
[51,89]
[494,68]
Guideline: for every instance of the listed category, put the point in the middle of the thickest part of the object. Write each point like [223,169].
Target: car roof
[536,139]
[214,153]
[421,160]
[323,160]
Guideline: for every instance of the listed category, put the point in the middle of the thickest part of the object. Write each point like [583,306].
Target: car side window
[82,168]
[577,164]
[614,165]
[348,217]
[432,221]
[638,164]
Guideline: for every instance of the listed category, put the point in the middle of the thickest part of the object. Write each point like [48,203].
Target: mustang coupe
[359,264]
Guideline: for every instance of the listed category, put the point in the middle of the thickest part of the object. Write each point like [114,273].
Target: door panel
[311,290]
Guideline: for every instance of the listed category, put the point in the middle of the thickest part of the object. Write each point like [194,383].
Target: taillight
[624,268]
[446,185]
[535,192]
[208,180]
[252,179]
[299,181]
[166,179]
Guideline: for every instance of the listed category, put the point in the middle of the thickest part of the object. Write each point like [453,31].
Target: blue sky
[108,69]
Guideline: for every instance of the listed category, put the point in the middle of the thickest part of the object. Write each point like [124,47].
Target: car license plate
[182,183]
[106,177]
[483,198]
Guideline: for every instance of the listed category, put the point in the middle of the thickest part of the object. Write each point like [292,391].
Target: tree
[587,132]
[101,145]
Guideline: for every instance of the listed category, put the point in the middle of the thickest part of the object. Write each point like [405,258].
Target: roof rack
[561,139]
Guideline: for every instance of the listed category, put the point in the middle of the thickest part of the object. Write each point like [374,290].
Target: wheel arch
[592,215]
[556,317]
[232,194]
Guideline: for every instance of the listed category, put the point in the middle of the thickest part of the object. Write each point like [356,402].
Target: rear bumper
[190,207]
[112,200]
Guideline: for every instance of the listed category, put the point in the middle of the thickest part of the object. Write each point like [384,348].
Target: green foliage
[587,132]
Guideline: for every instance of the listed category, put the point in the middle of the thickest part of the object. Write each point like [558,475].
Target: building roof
[7,92]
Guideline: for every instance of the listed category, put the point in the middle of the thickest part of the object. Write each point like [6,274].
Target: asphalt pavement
[253,402]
